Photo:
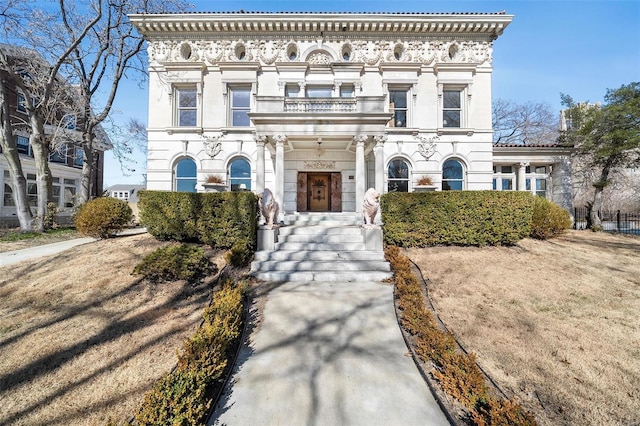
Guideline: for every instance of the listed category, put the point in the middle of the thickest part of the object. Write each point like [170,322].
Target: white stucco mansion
[318,107]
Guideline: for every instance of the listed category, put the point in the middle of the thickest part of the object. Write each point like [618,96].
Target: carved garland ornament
[426,52]
[320,165]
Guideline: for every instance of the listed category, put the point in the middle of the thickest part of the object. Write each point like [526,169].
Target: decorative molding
[320,165]
[427,146]
[269,51]
[212,145]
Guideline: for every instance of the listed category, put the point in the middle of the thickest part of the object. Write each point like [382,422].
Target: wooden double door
[319,192]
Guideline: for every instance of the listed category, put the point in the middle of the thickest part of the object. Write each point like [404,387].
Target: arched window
[452,175]
[240,175]
[185,176]
[398,172]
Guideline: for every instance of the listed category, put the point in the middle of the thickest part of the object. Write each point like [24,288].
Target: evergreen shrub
[219,219]
[103,217]
[227,218]
[183,396]
[549,220]
[169,215]
[462,218]
[177,262]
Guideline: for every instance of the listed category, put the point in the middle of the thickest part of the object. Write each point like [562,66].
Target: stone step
[319,238]
[324,255]
[321,246]
[319,265]
[319,230]
[331,276]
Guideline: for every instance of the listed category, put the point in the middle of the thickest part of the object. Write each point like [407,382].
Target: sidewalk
[17,256]
[327,354]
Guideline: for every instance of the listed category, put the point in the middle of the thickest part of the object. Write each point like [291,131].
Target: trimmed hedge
[218,219]
[462,218]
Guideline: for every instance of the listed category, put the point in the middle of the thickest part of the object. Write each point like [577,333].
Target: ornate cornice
[370,39]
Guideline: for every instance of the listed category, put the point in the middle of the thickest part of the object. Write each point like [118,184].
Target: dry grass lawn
[555,323]
[82,340]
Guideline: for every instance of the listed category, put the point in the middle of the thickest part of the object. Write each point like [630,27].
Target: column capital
[279,139]
[523,164]
[380,140]
[260,139]
[360,139]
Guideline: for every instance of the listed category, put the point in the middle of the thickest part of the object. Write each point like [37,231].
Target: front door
[319,192]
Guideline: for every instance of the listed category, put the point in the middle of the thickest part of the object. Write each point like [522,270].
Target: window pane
[451,99]
[292,91]
[8,196]
[507,169]
[528,184]
[240,118]
[398,98]
[541,169]
[187,98]
[318,92]
[541,184]
[451,119]
[398,169]
[507,184]
[186,185]
[69,195]
[346,91]
[452,169]
[240,175]
[186,168]
[495,184]
[241,98]
[187,118]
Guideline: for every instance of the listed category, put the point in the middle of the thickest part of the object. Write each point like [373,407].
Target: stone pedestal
[267,238]
[372,238]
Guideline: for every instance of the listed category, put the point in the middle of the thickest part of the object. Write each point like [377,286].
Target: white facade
[318,107]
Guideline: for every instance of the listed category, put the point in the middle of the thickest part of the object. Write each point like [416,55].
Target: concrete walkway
[327,353]
[17,256]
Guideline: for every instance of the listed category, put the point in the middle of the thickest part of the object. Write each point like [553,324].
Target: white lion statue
[269,208]
[370,208]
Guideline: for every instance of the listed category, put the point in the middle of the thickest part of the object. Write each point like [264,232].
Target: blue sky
[580,48]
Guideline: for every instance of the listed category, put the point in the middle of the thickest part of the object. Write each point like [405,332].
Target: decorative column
[260,141]
[360,170]
[522,170]
[279,187]
[378,152]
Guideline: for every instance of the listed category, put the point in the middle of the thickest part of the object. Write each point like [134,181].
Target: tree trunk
[10,151]
[43,172]
[596,221]
[87,172]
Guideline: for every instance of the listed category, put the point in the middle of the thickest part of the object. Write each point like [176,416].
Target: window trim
[177,89]
[464,87]
[463,165]
[231,88]
[406,179]
[407,110]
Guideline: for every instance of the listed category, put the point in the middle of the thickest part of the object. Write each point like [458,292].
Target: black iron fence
[612,220]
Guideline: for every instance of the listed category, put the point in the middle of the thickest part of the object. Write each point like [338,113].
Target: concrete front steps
[322,247]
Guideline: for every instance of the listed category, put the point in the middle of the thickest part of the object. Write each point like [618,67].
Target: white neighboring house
[318,107]
[128,193]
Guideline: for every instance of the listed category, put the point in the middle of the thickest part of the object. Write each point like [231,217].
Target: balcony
[320,105]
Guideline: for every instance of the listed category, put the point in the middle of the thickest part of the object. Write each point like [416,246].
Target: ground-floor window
[452,175]
[185,176]
[398,173]
[240,175]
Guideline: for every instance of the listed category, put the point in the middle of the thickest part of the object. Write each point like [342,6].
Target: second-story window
[346,91]
[186,106]
[398,107]
[78,157]
[69,122]
[22,143]
[240,106]
[319,91]
[451,108]
[21,104]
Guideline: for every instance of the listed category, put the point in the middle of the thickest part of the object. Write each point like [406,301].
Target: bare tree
[524,124]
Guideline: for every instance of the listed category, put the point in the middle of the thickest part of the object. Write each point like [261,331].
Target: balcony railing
[358,105]
[319,105]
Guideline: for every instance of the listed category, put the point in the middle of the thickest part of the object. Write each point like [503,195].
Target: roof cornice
[489,24]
